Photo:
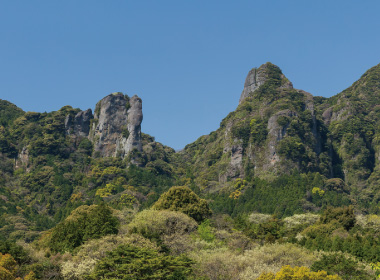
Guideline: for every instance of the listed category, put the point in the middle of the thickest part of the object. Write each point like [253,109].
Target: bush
[129,262]
[85,223]
[258,218]
[301,220]
[343,215]
[92,251]
[156,224]
[224,264]
[184,200]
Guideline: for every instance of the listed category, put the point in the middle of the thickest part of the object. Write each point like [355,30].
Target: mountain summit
[258,76]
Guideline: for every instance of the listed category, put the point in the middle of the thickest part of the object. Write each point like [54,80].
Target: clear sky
[187,60]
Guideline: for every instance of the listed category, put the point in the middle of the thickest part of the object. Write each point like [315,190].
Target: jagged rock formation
[116,127]
[79,125]
[257,77]
[277,129]
[274,130]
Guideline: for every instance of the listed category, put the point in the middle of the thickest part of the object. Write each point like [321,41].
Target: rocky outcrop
[79,125]
[276,132]
[23,159]
[257,77]
[116,128]
[234,148]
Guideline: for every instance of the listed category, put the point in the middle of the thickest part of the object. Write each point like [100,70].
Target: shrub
[205,231]
[343,215]
[129,262]
[85,223]
[301,220]
[258,218]
[156,224]
[184,200]
[92,251]
[224,264]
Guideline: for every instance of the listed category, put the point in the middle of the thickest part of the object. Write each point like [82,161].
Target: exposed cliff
[116,127]
[79,125]
[257,77]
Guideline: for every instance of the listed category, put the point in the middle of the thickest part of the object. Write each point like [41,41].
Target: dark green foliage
[16,251]
[242,131]
[125,132]
[8,112]
[128,262]
[91,223]
[337,263]
[343,215]
[184,200]
[86,146]
[160,167]
[292,148]
[268,231]
[284,196]
[283,120]
[258,131]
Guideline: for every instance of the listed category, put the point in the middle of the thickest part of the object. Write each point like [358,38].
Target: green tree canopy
[129,262]
[184,200]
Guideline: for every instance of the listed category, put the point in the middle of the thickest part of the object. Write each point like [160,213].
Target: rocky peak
[116,129]
[257,77]
[79,125]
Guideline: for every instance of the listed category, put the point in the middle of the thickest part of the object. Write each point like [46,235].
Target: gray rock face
[234,148]
[116,129]
[276,132]
[79,125]
[329,115]
[310,107]
[23,159]
[257,77]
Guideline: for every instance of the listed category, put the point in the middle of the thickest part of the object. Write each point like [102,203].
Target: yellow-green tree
[184,200]
[8,269]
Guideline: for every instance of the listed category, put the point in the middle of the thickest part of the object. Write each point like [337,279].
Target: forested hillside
[287,187]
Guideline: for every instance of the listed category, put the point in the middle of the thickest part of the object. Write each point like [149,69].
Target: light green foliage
[157,223]
[239,186]
[127,199]
[205,231]
[259,218]
[184,200]
[106,191]
[318,191]
[301,220]
[376,269]
[83,263]
[369,221]
[221,263]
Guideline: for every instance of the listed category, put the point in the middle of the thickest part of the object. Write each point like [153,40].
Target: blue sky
[187,60]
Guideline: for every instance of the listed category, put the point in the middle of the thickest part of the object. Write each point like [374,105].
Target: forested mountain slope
[79,181]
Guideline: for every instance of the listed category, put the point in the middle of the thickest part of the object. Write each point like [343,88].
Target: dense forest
[286,188]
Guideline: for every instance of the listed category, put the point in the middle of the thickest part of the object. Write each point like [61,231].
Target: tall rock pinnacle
[116,128]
